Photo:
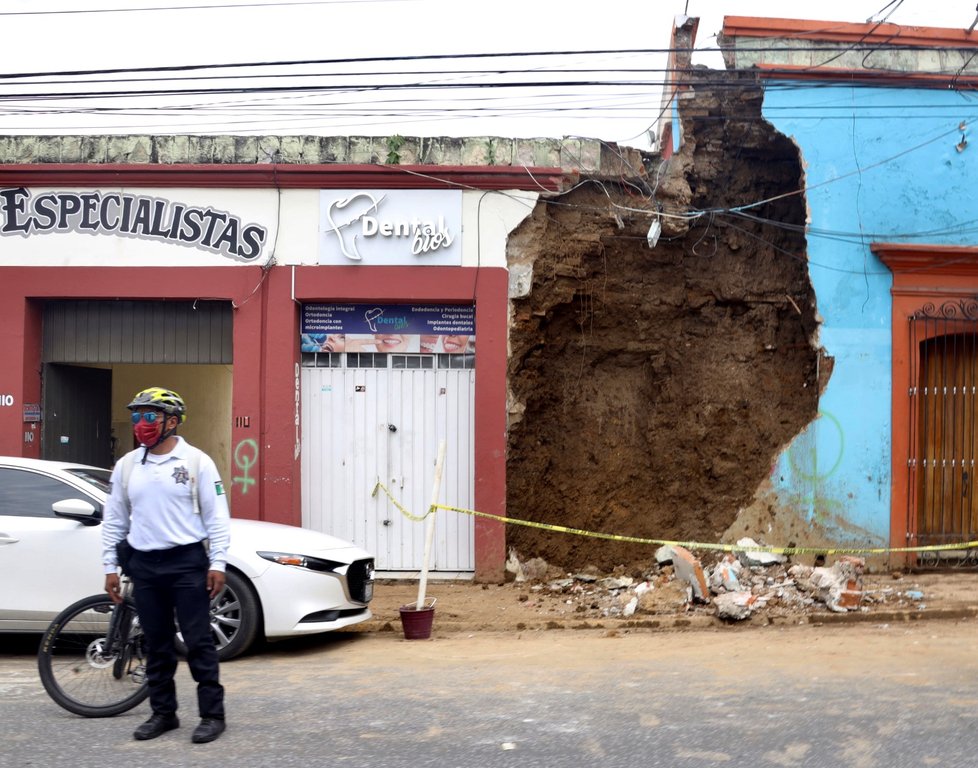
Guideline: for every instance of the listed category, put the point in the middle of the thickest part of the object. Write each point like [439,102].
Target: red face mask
[146,433]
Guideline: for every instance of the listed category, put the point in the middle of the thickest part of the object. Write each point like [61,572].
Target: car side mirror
[78,510]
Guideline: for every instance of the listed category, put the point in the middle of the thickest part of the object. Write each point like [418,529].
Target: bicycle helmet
[165,400]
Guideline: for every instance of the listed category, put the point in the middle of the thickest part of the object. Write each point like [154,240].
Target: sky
[384,67]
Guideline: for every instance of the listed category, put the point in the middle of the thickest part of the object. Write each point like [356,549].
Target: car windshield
[97,477]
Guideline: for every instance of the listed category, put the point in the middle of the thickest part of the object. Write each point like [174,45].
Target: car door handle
[5,539]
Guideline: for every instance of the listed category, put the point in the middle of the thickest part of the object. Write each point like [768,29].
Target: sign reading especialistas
[25,213]
[388,328]
[374,227]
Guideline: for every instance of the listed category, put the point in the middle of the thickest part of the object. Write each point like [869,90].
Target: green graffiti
[245,457]
[803,455]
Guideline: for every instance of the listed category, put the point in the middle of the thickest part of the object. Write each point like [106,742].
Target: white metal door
[364,425]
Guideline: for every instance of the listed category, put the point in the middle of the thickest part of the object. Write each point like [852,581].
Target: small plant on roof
[394,143]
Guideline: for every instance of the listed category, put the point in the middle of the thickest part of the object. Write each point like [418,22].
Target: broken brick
[688,569]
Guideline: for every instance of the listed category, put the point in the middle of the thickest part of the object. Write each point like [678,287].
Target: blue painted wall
[881,166]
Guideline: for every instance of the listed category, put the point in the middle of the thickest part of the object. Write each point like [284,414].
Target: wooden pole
[429,521]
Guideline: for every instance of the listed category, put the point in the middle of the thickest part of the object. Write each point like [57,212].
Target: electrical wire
[344,62]
[154,9]
[381,109]
[374,104]
[896,3]
[557,55]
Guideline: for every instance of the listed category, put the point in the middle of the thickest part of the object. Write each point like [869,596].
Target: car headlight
[303,561]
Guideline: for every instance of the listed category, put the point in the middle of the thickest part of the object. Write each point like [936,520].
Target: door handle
[5,539]
[392,428]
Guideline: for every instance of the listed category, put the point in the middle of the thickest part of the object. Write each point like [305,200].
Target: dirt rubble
[652,388]
[552,599]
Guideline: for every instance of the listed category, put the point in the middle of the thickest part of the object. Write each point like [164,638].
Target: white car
[282,581]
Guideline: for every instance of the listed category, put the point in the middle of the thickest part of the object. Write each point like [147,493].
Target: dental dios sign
[390,227]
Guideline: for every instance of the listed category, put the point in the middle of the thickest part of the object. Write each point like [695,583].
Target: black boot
[157,725]
[208,730]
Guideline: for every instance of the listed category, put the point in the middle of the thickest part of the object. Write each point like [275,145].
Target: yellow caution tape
[668,542]
[396,503]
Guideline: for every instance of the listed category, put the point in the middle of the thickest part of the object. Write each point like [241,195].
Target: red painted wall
[22,290]
[266,321]
[266,353]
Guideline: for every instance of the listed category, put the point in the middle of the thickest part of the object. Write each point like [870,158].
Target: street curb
[927,614]
[684,623]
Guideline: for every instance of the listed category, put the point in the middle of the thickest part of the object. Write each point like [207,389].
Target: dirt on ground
[566,602]
[652,388]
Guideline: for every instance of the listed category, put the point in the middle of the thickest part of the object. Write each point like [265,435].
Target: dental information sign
[371,227]
[388,328]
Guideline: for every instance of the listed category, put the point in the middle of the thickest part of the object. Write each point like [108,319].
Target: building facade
[330,320]
[882,116]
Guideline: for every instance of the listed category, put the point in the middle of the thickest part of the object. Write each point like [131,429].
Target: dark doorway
[77,408]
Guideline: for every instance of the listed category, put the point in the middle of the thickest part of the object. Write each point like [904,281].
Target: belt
[180,549]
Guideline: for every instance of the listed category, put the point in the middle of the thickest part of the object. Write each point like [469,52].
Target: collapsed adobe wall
[652,388]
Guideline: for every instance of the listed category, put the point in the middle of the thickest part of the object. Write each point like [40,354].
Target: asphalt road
[873,696]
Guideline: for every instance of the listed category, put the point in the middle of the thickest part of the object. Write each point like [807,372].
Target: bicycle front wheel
[84,670]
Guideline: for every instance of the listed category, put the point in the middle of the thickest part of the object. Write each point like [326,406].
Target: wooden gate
[944,383]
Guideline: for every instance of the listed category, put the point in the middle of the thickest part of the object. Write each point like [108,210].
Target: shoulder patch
[219,488]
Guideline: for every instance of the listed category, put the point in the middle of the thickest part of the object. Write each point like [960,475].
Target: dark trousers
[168,582]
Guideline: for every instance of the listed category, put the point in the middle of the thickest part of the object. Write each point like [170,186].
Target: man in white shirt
[168,505]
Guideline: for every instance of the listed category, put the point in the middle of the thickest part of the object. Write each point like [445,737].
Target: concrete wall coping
[585,156]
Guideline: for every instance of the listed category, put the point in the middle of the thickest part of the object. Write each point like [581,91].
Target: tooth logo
[362,204]
[371,316]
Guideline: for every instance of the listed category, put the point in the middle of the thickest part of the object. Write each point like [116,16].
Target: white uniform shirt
[160,513]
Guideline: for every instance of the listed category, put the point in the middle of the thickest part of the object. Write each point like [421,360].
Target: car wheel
[235,618]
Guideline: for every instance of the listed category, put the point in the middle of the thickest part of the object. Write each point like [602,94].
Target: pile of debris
[736,586]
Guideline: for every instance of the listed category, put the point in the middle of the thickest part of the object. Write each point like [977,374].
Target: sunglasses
[149,417]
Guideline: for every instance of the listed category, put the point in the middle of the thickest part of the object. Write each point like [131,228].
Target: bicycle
[92,660]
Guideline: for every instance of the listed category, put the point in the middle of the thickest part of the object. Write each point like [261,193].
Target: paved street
[868,696]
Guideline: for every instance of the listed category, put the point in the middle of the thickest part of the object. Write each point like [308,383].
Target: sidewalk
[463,606]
